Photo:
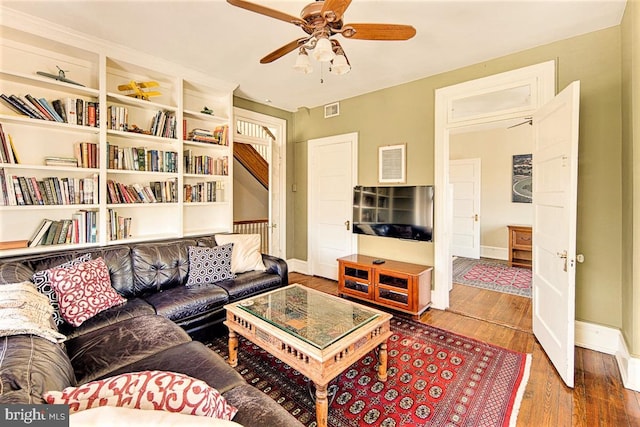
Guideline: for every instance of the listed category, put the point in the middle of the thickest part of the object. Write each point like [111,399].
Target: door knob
[347,223]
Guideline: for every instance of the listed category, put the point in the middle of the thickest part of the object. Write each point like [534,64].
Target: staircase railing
[254,226]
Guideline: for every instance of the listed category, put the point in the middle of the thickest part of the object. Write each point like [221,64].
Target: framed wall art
[521,178]
[392,164]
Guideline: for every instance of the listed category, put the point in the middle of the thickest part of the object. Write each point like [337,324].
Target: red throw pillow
[153,390]
[84,290]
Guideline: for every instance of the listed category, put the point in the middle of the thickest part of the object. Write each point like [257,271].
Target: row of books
[218,136]
[119,226]
[8,153]
[203,192]
[21,190]
[80,228]
[86,155]
[155,192]
[75,111]
[141,158]
[205,165]
[164,124]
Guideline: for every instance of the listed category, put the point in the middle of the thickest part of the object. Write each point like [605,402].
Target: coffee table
[318,334]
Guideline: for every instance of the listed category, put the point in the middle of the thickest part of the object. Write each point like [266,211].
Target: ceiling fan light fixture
[339,65]
[302,62]
[323,50]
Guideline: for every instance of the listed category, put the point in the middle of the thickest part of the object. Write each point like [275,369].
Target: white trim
[609,340]
[298,266]
[279,148]
[494,252]
[542,77]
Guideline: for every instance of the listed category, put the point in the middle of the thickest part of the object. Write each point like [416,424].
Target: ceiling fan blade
[332,10]
[263,10]
[378,31]
[281,51]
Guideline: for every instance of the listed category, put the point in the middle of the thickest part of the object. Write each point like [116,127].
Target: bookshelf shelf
[101,72]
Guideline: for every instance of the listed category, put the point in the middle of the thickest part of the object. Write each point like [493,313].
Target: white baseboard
[610,341]
[298,266]
[494,252]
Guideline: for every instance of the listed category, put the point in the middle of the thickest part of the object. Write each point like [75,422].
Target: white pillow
[246,254]
[108,416]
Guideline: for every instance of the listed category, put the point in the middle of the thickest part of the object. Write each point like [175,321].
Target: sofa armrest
[278,266]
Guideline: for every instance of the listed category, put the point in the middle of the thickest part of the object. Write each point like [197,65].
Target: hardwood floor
[598,398]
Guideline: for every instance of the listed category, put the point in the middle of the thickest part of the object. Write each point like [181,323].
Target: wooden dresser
[520,250]
[394,284]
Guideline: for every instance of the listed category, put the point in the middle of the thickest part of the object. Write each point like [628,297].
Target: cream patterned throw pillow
[24,310]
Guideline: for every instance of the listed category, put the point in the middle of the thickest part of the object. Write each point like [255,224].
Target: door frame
[311,145]
[278,153]
[540,78]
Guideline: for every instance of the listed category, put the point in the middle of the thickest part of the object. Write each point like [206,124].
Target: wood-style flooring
[598,398]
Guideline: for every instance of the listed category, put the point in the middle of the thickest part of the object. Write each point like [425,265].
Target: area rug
[494,275]
[435,378]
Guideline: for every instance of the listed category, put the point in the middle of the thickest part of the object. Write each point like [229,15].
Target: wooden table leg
[382,362]
[322,405]
[233,349]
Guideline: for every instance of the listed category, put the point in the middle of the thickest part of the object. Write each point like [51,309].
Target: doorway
[268,135]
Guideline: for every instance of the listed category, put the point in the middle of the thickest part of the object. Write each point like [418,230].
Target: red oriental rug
[435,378]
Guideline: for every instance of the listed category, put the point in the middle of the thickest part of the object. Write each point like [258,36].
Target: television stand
[398,285]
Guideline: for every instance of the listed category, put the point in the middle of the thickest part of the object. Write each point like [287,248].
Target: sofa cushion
[150,390]
[202,363]
[246,251]
[182,303]
[31,365]
[255,408]
[99,352]
[132,308]
[24,310]
[84,290]
[209,265]
[158,266]
[250,283]
[42,280]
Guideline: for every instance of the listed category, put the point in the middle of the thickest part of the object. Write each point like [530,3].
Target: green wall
[404,114]
[606,62]
[631,175]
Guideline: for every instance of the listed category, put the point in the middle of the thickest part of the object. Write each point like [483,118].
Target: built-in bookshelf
[100,166]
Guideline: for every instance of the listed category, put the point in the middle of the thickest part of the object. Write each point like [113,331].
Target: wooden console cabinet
[520,249]
[398,285]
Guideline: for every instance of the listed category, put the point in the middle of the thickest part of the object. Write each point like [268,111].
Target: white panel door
[555,183]
[464,176]
[332,176]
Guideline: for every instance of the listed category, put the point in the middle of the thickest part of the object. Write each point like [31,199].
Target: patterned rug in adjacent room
[435,378]
[492,274]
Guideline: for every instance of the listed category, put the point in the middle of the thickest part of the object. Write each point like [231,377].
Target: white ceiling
[228,42]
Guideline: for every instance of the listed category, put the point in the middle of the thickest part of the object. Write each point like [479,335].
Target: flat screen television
[403,212]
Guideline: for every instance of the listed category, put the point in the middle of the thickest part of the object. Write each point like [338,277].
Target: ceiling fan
[322,20]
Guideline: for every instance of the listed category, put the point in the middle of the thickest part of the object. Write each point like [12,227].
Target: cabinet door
[356,280]
[394,289]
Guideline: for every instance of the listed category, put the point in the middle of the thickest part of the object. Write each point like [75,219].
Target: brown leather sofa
[152,331]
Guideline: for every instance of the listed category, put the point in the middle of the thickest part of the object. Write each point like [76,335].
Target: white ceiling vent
[332,110]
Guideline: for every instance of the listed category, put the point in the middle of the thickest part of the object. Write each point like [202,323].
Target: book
[5,146]
[50,109]
[14,244]
[43,112]
[31,111]
[40,232]
[15,107]
[55,225]
[70,109]
[59,108]
[13,153]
